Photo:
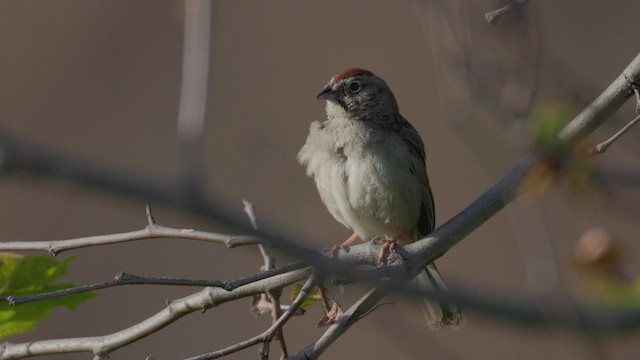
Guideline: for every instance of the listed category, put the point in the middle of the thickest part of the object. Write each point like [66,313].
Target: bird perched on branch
[368,163]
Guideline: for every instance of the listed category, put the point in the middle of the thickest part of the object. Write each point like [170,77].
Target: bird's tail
[437,314]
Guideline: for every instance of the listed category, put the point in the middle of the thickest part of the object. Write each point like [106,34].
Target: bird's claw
[387,245]
[335,249]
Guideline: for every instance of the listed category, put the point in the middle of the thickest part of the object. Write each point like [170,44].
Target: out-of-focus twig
[494,16]
[193,93]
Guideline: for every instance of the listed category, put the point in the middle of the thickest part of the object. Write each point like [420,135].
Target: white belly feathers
[356,183]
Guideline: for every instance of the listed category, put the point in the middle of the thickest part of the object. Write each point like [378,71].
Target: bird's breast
[365,182]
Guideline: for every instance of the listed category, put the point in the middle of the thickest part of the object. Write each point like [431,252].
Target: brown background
[100,80]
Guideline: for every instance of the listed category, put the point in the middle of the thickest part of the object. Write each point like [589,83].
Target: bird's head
[358,94]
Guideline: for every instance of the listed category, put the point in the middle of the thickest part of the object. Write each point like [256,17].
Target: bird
[369,166]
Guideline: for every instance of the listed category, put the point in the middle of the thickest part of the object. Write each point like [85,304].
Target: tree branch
[605,105]
[104,345]
[273,296]
[152,231]
[602,147]
[123,278]
[268,335]
[356,312]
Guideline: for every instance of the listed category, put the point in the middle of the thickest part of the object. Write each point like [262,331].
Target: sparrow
[368,163]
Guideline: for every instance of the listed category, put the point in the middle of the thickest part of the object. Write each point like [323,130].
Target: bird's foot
[335,249]
[387,245]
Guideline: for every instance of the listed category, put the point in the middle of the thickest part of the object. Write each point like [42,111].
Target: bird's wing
[412,139]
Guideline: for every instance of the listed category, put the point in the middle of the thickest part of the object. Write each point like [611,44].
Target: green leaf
[27,275]
[548,121]
[312,298]
[557,159]
[617,295]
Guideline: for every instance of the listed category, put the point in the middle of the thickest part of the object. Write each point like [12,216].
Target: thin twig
[273,295]
[270,333]
[495,15]
[602,147]
[152,231]
[123,278]
[249,209]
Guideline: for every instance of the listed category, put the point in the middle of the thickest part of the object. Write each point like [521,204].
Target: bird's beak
[327,94]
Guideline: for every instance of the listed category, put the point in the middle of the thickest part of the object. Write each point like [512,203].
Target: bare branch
[605,105]
[131,279]
[602,147]
[273,295]
[494,16]
[268,335]
[152,231]
[104,345]
[249,209]
[151,221]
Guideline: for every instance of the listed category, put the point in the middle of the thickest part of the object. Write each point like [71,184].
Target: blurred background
[100,81]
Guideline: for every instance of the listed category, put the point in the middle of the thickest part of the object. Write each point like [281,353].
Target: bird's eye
[354,86]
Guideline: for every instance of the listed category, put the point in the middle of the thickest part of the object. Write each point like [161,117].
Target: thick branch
[604,105]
